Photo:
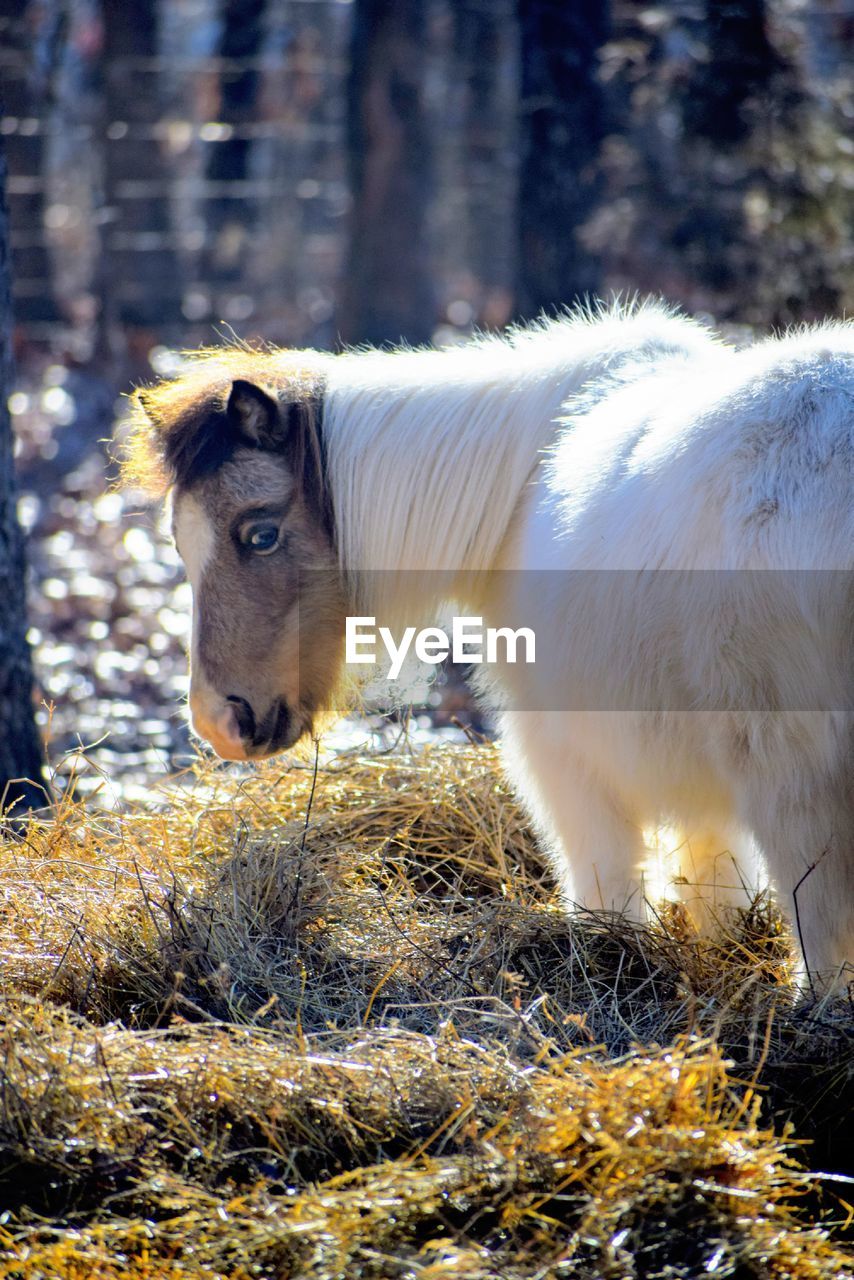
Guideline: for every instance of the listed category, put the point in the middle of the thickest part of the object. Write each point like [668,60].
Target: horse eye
[261,538]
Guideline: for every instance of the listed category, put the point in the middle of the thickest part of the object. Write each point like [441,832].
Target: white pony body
[633,442]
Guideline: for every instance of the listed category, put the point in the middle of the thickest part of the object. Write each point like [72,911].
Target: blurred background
[320,172]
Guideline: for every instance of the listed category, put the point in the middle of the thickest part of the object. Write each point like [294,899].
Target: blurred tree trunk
[563,122]
[388,290]
[484,48]
[21,762]
[740,64]
[229,221]
[140,282]
[31,36]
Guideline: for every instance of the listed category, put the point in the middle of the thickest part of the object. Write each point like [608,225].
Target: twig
[298,878]
[311,794]
[810,869]
[434,960]
[62,959]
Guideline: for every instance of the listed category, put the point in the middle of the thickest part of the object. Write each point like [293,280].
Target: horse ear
[254,414]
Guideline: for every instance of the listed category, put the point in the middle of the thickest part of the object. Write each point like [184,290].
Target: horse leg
[716,875]
[596,848]
[606,849]
[807,836]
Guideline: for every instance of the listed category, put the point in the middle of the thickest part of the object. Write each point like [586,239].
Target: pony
[672,513]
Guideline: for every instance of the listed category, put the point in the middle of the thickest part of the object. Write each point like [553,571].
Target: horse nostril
[282,723]
[273,730]
[245,716]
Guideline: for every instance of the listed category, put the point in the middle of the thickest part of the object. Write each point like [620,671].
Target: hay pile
[332,1023]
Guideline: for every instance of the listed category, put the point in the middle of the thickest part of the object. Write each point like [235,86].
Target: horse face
[268,608]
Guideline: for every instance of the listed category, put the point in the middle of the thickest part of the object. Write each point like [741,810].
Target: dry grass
[334,1024]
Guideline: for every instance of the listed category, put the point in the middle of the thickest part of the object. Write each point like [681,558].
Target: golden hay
[332,1023]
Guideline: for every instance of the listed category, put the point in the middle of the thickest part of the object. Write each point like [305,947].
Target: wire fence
[172,189]
[177,165]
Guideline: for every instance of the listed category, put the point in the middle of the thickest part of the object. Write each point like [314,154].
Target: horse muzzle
[278,730]
[235,733]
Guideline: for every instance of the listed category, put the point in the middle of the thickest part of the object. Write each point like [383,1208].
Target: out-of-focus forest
[318,172]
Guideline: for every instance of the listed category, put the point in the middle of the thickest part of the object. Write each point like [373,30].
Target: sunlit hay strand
[96,904]
[260,932]
[235,1152]
[403,886]
[453,803]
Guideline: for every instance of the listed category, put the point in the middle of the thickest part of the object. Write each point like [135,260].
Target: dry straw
[331,1022]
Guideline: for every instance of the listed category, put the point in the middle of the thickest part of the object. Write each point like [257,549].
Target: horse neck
[429,454]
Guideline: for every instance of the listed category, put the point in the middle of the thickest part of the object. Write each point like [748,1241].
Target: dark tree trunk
[21,763]
[229,221]
[741,61]
[141,277]
[563,122]
[388,291]
[484,44]
[31,40]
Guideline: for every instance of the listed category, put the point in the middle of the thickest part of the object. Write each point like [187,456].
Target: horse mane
[177,428]
[426,454]
[431,452]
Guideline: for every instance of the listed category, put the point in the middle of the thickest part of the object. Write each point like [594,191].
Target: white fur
[194,536]
[194,539]
[630,441]
[430,452]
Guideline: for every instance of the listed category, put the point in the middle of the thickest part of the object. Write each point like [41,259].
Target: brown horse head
[238,442]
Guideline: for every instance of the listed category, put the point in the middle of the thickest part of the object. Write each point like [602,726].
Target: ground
[327,1019]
